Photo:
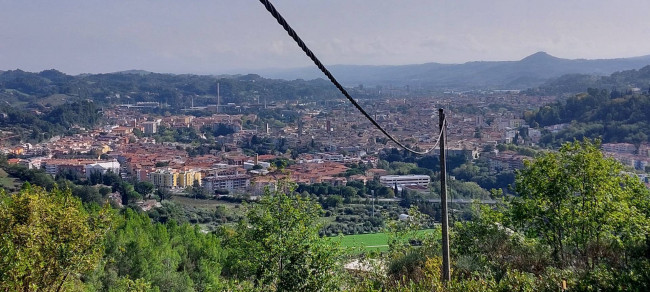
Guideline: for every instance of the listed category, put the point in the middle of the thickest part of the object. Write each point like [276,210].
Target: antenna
[218,97]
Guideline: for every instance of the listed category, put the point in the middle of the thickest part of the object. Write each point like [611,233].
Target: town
[231,149]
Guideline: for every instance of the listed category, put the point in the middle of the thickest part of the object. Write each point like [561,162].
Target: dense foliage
[48,239]
[167,257]
[583,206]
[37,126]
[277,246]
[612,116]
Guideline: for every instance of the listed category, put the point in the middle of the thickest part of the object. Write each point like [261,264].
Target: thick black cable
[329,75]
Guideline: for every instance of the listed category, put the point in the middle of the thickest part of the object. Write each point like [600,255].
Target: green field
[367,242]
[8,183]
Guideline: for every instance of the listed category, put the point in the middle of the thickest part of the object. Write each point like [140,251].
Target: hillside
[599,113]
[576,83]
[50,88]
[612,108]
[528,72]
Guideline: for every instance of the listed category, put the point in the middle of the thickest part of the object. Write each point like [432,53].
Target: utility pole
[446,275]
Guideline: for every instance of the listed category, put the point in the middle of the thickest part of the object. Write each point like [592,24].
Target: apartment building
[237,182]
[405,180]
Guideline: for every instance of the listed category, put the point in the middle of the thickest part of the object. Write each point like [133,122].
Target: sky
[240,36]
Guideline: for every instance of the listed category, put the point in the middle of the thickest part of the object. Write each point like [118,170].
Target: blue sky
[239,36]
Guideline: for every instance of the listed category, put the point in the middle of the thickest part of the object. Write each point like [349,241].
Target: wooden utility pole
[446,275]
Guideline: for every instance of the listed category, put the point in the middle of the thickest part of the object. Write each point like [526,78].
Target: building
[187,178]
[619,148]
[164,178]
[150,127]
[506,161]
[54,166]
[102,168]
[122,130]
[405,180]
[237,182]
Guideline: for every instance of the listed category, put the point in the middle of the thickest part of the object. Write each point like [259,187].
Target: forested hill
[34,127]
[576,83]
[51,87]
[612,116]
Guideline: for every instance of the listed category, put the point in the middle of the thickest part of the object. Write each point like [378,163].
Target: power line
[292,33]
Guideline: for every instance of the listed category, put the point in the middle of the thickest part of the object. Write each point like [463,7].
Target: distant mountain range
[528,72]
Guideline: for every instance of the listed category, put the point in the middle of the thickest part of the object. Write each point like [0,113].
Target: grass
[6,182]
[199,203]
[211,205]
[367,242]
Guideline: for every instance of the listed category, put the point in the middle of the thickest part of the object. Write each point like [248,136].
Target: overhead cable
[329,75]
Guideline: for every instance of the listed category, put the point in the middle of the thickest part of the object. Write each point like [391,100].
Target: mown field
[368,242]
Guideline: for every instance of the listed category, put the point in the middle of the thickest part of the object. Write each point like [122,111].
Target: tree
[168,257]
[348,191]
[199,192]
[385,192]
[48,239]
[87,194]
[332,201]
[111,179]
[278,247]
[581,204]
[163,194]
[128,193]
[144,188]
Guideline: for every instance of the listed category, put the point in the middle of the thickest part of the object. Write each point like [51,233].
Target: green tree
[385,192]
[168,257]
[48,239]
[164,194]
[128,193]
[144,188]
[581,204]
[332,201]
[277,245]
[348,192]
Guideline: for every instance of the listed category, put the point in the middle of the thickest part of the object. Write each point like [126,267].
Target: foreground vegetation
[576,217]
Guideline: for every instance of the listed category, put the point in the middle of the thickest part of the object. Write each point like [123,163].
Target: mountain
[531,71]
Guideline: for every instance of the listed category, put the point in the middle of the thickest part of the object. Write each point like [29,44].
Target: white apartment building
[405,180]
[102,167]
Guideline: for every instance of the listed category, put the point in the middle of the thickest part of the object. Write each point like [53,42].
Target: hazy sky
[239,36]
